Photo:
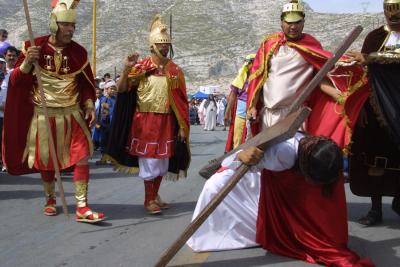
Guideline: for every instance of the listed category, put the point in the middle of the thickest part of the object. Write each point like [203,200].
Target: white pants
[150,168]
[233,224]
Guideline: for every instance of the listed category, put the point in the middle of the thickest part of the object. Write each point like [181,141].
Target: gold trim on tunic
[38,135]
[153,95]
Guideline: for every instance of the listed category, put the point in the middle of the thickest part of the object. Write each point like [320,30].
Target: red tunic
[152,134]
[295,219]
[19,109]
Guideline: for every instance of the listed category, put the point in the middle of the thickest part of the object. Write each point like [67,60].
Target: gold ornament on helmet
[391,6]
[293,11]
[159,32]
[63,11]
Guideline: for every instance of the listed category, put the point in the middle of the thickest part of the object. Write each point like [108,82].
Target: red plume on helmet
[54,3]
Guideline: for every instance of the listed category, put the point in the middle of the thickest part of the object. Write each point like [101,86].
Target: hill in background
[210,37]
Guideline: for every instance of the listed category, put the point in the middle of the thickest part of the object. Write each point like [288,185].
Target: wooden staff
[46,115]
[283,129]
[214,164]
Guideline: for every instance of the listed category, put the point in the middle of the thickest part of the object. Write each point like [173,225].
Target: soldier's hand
[90,115]
[131,60]
[250,156]
[32,54]
[356,56]
[182,135]
[227,119]
[252,115]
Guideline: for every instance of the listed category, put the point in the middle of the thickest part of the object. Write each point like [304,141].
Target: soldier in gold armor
[153,140]
[69,90]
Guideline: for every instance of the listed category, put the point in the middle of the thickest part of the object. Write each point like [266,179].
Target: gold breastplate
[59,92]
[153,95]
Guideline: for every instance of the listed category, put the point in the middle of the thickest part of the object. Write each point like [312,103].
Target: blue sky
[345,6]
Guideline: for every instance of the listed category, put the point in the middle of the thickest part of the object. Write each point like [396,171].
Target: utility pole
[94,37]
[365,6]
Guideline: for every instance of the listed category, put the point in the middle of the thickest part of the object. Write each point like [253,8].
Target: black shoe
[372,218]
[396,205]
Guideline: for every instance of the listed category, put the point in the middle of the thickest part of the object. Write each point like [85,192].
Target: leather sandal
[50,208]
[371,219]
[153,208]
[163,205]
[88,216]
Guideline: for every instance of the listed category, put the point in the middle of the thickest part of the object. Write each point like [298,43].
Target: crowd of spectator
[8,58]
[208,112]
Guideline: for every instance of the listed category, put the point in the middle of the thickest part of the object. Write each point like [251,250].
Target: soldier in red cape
[69,90]
[150,128]
[315,224]
[374,161]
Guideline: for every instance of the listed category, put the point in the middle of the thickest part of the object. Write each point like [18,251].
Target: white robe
[220,112]
[211,116]
[233,224]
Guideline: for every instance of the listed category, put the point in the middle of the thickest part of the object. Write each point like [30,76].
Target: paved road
[130,237]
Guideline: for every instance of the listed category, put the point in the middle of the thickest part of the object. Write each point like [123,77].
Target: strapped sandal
[50,208]
[88,216]
[163,205]
[153,208]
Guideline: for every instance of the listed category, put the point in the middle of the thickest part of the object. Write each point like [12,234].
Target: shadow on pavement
[251,261]
[384,252]
[6,179]
[128,211]
[24,194]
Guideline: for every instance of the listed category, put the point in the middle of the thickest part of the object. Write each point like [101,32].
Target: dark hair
[12,49]
[3,31]
[108,75]
[320,160]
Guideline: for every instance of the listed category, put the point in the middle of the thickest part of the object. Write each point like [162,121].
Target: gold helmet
[391,6]
[63,11]
[159,35]
[159,32]
[293,11]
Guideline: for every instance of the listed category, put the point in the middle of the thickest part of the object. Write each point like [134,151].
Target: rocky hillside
[210,37]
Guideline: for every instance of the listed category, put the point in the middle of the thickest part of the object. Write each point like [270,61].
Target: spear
[46,115]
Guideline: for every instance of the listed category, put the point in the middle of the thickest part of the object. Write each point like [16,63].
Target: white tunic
[288,74]
[233,224]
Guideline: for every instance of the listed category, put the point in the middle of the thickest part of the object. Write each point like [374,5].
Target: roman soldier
[151,118]
[69,91]
[374,160]
[285,63]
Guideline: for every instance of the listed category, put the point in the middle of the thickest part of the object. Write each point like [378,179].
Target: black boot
[396,204]
[374,216]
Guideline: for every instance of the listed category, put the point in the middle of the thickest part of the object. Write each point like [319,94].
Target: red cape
[338,120]
[19,106]
[295,219]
